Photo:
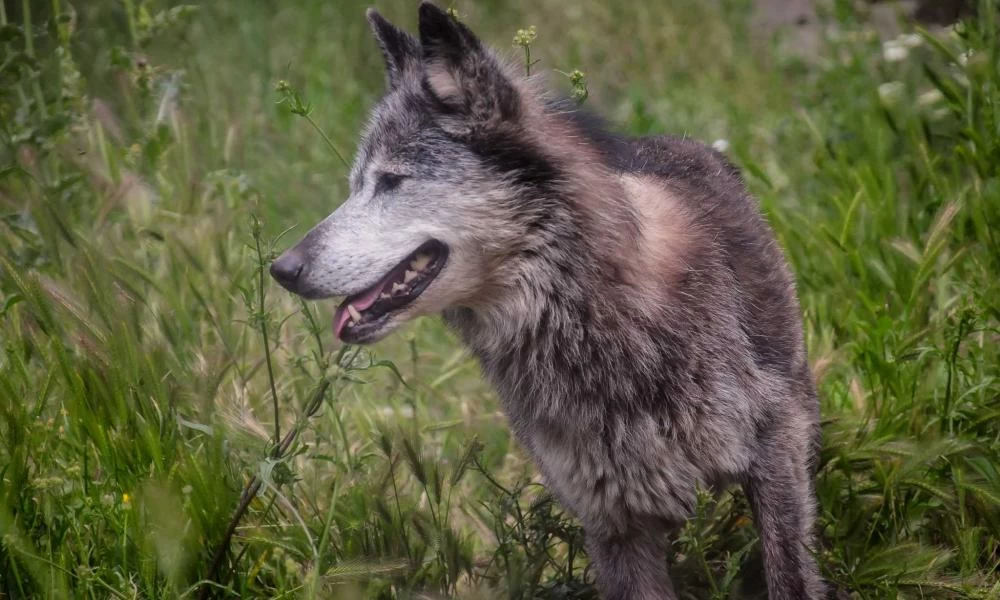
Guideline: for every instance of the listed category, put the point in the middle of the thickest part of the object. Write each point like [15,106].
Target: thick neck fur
[571,261]
[574,290]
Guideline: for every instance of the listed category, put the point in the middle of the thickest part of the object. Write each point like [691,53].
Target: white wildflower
[893,51]
[940,113]
[721,145]
[405,411]
[890,92]
[930,97]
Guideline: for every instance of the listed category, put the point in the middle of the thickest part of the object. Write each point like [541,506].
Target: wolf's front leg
[632,566]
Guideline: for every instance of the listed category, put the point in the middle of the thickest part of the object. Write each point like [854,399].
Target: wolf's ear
[460,73]
[400,49]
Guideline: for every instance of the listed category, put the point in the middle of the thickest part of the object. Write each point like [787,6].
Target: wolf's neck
[569,293]
[551,297]
[573,274]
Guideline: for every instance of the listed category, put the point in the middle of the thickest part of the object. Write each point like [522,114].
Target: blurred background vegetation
[148,172]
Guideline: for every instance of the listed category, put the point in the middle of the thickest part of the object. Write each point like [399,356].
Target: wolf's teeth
[355,315]
[409,276]
[384,296]
[398,287]
[420,262]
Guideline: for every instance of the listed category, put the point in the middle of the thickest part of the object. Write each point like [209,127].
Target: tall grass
[172,424]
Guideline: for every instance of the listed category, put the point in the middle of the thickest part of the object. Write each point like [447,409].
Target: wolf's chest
[629,469]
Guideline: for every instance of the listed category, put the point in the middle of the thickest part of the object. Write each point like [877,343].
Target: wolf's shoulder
[666,156]
[701,176]
[673,158]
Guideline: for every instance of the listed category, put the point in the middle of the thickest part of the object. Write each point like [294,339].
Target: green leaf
[388,364]
[11,170]
[947,88]
[16,65]
[206,429]
[9,303]
[935,43]
[275,472]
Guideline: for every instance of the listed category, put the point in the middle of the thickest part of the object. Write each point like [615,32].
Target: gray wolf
[625,297]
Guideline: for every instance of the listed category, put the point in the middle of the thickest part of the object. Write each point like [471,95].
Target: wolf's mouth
[361,315]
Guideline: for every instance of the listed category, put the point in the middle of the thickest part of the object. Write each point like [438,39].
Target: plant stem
[263,332]
[399,510]
[708,572]
[29,49]
[64,43]
[130,18]
[253,486]
[325,538]
[327,140]
[315,331]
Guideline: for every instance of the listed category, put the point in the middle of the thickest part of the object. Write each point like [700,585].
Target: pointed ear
[400,50]
[460,73]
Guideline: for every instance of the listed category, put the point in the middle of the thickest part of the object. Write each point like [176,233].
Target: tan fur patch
[666,231]
[610,220]
[442,81]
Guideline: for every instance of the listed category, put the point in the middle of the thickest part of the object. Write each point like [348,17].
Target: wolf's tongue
[361,302]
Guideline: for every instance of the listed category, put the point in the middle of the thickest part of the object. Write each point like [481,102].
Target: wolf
[625,297]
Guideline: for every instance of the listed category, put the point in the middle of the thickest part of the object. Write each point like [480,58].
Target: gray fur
[625,297]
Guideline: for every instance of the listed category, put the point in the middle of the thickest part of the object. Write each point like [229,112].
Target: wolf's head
[436,211]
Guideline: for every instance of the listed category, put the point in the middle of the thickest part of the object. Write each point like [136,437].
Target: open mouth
[360,316]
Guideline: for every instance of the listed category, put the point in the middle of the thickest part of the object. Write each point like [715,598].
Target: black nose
[287,268]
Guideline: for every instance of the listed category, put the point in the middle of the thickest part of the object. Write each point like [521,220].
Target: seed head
[524,37]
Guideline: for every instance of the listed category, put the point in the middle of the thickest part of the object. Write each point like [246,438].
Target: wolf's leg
[632,566]
[780,490]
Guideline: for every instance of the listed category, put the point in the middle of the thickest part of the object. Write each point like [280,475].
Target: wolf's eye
[387,182]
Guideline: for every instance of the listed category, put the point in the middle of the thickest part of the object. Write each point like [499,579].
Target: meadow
[154,380]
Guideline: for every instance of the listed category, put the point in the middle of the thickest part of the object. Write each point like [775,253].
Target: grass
[148,172]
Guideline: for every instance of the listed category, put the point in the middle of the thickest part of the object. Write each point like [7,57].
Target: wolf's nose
[287,268]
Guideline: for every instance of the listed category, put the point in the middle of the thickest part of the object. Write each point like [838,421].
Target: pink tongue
[363,302]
